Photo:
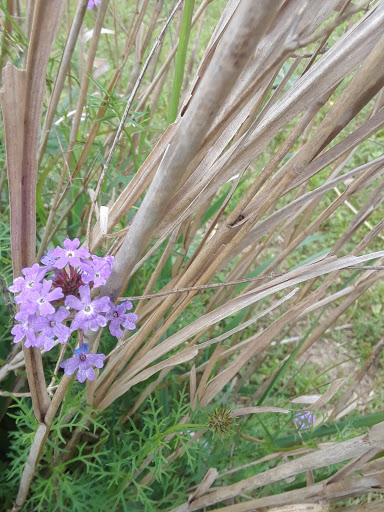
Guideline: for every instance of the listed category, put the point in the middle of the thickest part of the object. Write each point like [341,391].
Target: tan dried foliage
[230,118]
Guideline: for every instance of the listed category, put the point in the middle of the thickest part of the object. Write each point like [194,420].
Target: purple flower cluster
[55,300]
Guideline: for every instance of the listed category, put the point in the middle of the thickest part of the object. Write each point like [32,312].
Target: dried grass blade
[257,410]
[247,28]
[205,484]
[329,394]
[182,357]
[292,278]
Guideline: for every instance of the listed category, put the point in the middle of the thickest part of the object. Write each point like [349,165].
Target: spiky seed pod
[221,421]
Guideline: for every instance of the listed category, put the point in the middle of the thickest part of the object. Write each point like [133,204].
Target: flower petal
[74,262]
[93,324]
[55,294]
[62,332]
[132,317]
[71,245]
[102,322]
[83,349]
[128,304]
[31,342]
[61,262]
[81,376]
[90,374]
[48,343]
[103,304]
[73,302]
[27,296]
[83,252]
[18,333]
[84,364]
[58,252]
[129,325]
[46,309]
[96,360]
[47,285]
[70,365]
[17,286]
[85,294]
[40,323]
[29,307]
[61,314]
[114,329]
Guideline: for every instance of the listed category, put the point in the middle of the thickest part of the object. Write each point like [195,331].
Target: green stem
[180,60]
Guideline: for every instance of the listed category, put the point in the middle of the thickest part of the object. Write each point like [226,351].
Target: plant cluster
[55,301]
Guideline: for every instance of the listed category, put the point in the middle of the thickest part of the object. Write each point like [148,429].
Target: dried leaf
[257,410]
[329,394]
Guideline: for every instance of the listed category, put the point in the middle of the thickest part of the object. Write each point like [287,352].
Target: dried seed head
[221,421]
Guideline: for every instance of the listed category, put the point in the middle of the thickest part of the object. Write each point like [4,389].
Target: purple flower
[92,3]
[25,328]
[44,342]
[49,261]
[51,327]
[97,271]
[31,300]
[31,281]
[304,420]
[70,255]
[118,316]
[83,362]
[89,316]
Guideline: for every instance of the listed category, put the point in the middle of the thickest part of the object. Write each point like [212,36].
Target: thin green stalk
[180,60]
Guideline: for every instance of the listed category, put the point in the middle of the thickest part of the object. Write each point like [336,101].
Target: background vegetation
[201,143]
